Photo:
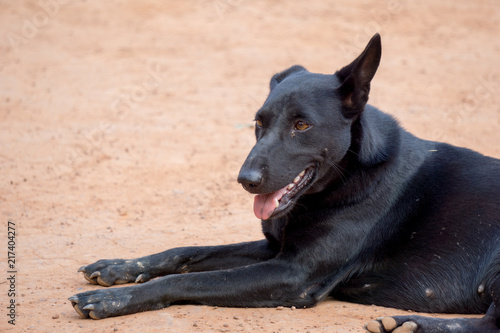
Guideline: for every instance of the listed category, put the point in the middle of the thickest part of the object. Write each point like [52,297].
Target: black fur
[377,217]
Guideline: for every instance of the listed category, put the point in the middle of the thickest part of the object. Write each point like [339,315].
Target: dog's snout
[250,178]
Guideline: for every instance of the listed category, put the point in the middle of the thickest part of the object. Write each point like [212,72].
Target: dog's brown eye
[301,126]
[258,122]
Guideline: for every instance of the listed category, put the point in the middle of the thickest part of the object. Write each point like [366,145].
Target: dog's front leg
[107,272]
[268,284]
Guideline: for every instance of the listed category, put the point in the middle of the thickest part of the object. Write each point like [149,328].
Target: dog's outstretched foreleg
[108,272]
[272,283]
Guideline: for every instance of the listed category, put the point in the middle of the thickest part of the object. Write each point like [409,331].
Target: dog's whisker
[340,171]
[353,152]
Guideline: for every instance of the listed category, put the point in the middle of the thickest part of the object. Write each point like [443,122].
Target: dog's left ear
[355,78]
[277,78]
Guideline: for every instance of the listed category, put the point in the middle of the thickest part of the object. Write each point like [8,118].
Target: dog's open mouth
[272,204]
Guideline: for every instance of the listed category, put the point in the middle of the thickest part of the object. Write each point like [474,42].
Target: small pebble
[56,316]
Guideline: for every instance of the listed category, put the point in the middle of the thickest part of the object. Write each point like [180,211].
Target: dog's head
[304,131]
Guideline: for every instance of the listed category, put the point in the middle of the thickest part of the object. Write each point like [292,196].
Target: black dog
[352,206]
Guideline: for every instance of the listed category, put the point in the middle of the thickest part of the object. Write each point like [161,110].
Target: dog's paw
[116,271]
[421,324]
[391,325]
[112,302]
[99,304]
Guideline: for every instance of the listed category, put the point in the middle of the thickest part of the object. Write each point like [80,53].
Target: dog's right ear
[277,78]
[355,78]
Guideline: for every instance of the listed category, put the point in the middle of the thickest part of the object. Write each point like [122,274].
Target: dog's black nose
[250,178]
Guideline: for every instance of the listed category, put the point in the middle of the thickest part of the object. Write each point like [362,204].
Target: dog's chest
[274,230]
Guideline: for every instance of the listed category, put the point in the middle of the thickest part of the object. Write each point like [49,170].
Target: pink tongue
[265,204]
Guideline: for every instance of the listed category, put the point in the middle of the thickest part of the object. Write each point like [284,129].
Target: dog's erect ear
[355,78]
[277,78]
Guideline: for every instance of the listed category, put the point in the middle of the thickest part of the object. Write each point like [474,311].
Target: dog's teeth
[276,203]
[290,186]
[296,180]
[302,173]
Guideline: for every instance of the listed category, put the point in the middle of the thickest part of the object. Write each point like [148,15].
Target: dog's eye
[258,122]
[301,126]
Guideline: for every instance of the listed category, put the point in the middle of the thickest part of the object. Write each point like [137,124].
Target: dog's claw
[73,299]
[95,274]
[82,269]
[93,316]
[408,327]
[77,309]
[389,323]
[140,278]
[89,307]
[373,327]
[102,282]
[120,282]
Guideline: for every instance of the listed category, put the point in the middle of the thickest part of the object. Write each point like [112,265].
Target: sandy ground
[123,125]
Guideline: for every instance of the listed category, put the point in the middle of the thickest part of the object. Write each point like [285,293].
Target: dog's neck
[375,141]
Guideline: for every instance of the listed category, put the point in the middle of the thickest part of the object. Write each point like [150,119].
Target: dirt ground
[123,125]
